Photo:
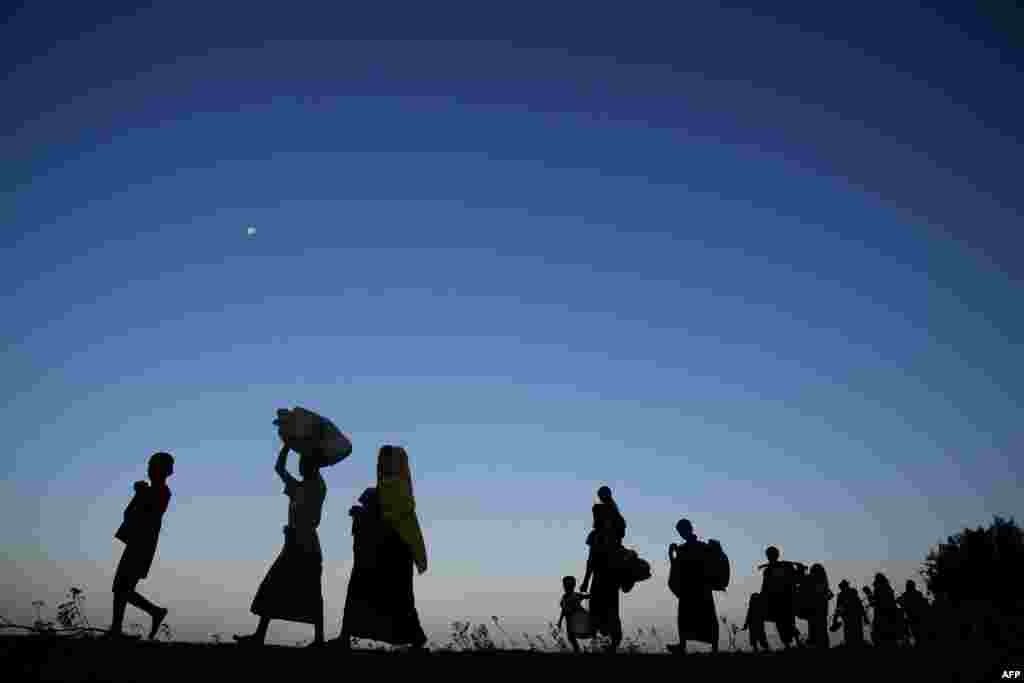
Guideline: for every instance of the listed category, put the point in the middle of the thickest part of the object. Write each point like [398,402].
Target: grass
[53,658]
[66,648]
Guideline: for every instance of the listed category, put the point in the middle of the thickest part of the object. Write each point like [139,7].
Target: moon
[250,231]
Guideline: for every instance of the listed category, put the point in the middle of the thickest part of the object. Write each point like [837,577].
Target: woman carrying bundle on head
[292,589]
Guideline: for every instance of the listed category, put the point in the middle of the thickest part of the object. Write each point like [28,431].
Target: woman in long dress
[382,606]
[292,590]
[362,618]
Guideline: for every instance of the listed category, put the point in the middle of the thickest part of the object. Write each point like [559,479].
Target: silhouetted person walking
[384,605]
[754,624]
[293,588]
[887,628]
[363,617]
[696,618]
[577,621]
[917,610]
[140,532]
[605,541]
[815,596]
[850,613]
[778,594]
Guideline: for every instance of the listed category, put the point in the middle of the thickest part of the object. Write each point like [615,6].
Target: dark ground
[37,658]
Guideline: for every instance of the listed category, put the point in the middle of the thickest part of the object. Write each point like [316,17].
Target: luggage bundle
[631,568]
[312,435]
[717,568]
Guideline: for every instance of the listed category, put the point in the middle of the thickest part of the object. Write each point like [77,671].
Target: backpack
[717,568]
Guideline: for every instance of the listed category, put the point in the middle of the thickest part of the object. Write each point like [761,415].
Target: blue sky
[757,271]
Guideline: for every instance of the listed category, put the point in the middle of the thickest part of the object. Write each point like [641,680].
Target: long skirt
[696,617]
[292,590]
[380,604]
[604,605]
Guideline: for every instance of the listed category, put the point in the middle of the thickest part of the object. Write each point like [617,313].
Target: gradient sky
[759,271]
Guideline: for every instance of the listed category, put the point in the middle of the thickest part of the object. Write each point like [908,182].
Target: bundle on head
[312,435]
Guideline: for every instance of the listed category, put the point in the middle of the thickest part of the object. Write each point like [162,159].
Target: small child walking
[140,532]
[577,620]
[754,624]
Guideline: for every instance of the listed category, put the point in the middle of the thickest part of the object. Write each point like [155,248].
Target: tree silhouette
[979,564]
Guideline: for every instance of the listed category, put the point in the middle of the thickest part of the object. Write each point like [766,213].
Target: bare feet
[158,619]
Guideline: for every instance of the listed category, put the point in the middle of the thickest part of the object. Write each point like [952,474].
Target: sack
[311,434]
[578,624]
[717,568]
[632,568]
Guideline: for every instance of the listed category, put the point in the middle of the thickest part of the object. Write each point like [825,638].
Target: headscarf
[397,504]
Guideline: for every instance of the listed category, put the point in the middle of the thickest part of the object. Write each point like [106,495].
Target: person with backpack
[689,581]
[778,593]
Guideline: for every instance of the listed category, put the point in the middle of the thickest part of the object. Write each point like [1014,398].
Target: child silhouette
[577,621]
[140,532]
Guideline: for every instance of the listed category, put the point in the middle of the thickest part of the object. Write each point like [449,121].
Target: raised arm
[280,468]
